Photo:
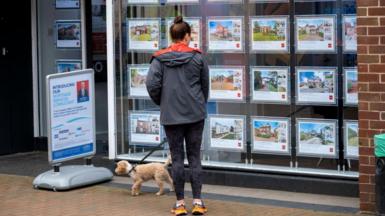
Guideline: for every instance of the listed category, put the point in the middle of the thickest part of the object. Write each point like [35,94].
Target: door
[16,108]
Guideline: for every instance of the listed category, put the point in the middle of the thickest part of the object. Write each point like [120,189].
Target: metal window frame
[111,64]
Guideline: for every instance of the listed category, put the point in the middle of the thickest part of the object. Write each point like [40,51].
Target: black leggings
[192,134]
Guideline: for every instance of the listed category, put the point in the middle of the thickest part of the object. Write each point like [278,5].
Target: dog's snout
[119,170]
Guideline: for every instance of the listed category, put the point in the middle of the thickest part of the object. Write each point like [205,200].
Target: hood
[176,55]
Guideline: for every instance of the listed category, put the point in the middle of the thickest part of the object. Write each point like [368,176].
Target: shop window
[283,82]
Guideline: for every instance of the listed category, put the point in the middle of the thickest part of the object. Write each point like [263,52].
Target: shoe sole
[181,214]
[198,213]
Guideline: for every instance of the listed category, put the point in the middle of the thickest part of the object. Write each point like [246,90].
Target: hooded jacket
[178,82]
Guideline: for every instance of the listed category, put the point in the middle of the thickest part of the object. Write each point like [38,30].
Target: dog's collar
[132,169]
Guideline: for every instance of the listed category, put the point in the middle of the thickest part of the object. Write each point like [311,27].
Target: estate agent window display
[282,91]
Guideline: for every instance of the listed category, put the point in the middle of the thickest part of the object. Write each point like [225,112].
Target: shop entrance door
[16,107]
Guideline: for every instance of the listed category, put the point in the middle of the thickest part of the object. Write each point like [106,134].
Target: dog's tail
[168,161]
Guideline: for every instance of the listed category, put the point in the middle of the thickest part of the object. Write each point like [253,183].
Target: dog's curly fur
[145,172]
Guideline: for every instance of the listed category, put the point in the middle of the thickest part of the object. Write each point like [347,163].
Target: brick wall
[371,82]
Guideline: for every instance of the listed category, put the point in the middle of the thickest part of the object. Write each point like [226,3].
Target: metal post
[110,19]
[340,84]
[35,75]
[83,33]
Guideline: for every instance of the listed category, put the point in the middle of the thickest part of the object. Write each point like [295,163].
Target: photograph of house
[313,29]
[270,131]
[315,133]
[195,29]
[352,135]
[226,128]
[144,30]
[195,25]
[225,79]
[270,81]
[138,77]
[352,82]
[68,31]
[269,30]
[316,82]
[225,30]
[145,124]
[350,29]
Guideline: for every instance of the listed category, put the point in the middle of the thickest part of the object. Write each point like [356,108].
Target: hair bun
[178,19]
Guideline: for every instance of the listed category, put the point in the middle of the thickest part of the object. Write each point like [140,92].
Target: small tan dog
[146,172]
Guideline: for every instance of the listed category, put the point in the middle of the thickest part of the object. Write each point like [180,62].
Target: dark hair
[179,29]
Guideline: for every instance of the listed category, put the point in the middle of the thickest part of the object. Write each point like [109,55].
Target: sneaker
[179,210]
[199,209]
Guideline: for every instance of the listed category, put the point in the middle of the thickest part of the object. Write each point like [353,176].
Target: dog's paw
[159,193]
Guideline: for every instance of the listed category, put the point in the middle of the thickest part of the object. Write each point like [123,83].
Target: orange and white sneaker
[199,208]
[179,210]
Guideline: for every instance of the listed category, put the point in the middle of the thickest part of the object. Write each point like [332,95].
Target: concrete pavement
[18,198]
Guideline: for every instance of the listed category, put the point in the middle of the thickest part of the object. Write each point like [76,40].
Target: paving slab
[18,198]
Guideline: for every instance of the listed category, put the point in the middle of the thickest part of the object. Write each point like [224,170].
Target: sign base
[70,177]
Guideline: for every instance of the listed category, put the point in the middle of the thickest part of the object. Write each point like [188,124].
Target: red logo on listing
[196,45]
[239,94]
[282,45]
[330,97]
[283,147]
[157,138]
[239,144]
[237,45]
[283,96]
[331,150]
[329,45]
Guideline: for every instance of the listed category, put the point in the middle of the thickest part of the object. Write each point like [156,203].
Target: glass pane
[289,71]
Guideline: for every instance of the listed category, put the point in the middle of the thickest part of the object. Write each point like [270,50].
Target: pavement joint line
[249,200]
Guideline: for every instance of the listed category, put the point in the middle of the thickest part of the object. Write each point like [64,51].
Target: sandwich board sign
[71,121]
[71,130]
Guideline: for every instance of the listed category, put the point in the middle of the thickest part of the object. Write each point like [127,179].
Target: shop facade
[283,86]
[294,102]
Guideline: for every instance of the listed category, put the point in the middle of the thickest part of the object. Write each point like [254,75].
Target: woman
[178,82]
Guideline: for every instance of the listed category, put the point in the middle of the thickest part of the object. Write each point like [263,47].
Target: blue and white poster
[63,66]
[71,115]
[67,4]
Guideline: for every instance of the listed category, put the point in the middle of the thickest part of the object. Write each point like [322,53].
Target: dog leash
[147,155]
